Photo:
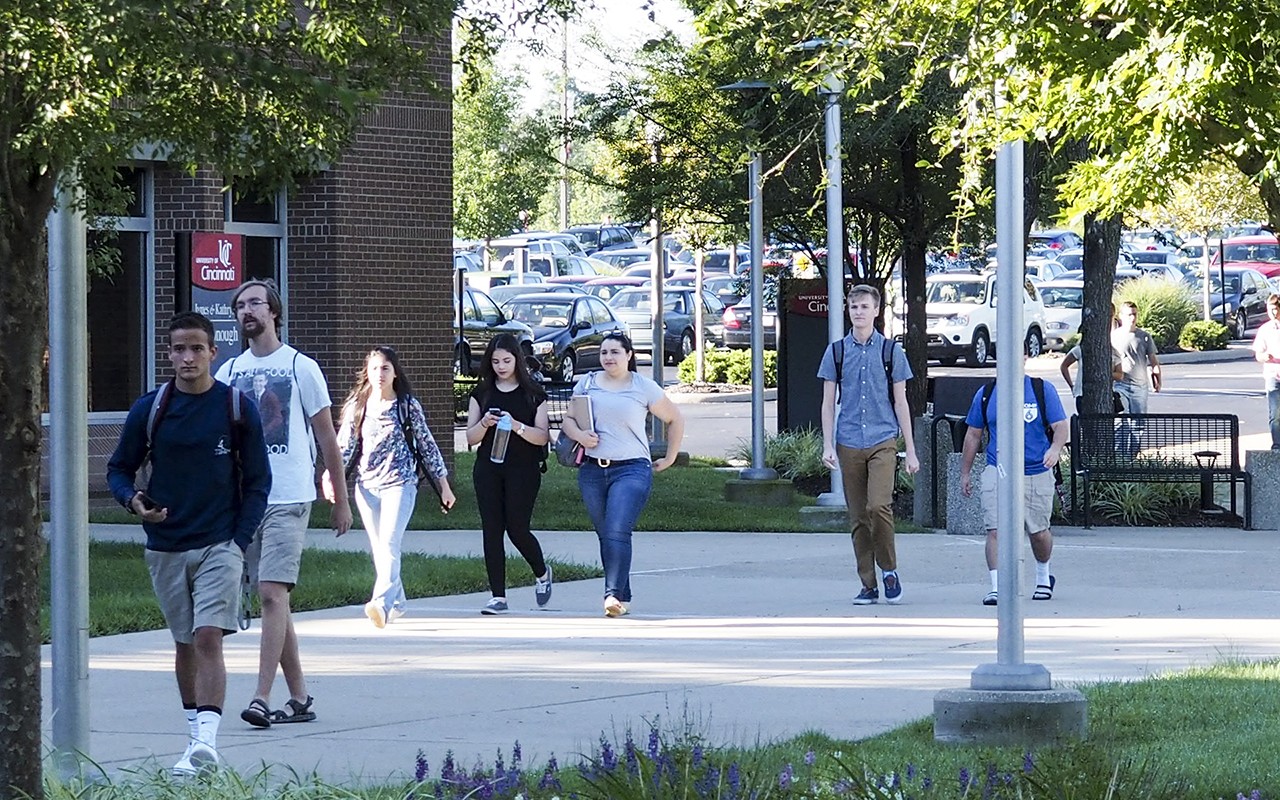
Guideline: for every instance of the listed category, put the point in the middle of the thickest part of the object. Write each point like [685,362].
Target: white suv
[960,311]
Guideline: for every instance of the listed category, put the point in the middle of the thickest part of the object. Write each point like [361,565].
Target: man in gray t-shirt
[1139,362]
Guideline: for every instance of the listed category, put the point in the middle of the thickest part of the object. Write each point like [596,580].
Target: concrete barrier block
[759,493]
[1263,467]
[964,514]
[1009,719]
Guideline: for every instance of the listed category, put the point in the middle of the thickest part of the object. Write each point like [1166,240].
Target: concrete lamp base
[824,518]
[1008,718]
[759,492]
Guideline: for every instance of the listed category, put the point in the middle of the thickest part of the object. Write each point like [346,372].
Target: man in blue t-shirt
[1040,455]
[205,497]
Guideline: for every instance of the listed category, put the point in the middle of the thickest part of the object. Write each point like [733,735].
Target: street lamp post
[753,92]
[658,438]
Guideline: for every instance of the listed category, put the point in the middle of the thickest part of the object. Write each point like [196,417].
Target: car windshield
[587,238]
[538,314]
[1150,257]
[1062,296]
[1269,253]
[969,292]
[1215,283]
[639,301]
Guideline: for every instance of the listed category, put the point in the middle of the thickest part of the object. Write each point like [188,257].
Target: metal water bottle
[501,438]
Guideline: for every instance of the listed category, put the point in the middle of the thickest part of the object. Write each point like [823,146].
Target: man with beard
[276,553]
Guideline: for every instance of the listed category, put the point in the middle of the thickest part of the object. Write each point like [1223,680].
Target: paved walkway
[747,637]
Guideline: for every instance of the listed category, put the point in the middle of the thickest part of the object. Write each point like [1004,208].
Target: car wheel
[567,368]
[1035,344]
[686,345]
[461,362]
[979,351]
[1242,324]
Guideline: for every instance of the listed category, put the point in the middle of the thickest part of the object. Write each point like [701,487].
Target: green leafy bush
[461,395]
[1143,503]
[1164,308]
[729,366]
[1204,335]
[793,454]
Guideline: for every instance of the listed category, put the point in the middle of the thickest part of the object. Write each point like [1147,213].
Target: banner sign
[217,269]
[808,298]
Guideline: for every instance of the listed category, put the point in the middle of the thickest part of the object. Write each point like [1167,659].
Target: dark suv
[595,238]
[477,320]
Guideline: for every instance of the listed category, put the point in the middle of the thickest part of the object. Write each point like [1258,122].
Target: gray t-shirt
[1134,349]
[620,416]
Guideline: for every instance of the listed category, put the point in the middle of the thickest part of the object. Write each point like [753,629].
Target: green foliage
[793,454]
[1164,307]
[729,366]
[501,162]
[1204,335]
[1143,503]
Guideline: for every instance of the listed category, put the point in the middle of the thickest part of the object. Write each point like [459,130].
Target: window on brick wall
[118,315]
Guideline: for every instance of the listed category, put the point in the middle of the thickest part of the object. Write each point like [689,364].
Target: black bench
[1158,448]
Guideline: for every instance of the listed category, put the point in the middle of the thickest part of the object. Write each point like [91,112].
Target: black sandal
[298,712]
[257,714]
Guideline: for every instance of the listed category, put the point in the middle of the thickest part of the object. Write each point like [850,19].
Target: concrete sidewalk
[748,637]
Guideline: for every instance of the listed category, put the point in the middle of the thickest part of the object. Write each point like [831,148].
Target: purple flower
[964,778]
[784,777]
[809,758]
[654,743]
[1028,762]
[734,778]
[420,768]
[911,771]
[633,758]
[515,755]
[447,769]
[608,759]
[696,755]
[895,781]
[926,782]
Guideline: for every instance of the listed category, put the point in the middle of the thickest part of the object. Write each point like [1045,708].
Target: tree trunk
[1101,249]
[1270,193]
[915,243]
[23,336]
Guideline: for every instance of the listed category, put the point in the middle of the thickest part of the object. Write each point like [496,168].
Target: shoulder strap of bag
[1037,388]
[837,355]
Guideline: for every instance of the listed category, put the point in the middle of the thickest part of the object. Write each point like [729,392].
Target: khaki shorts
[275,554]
[198,588]
[1038,492]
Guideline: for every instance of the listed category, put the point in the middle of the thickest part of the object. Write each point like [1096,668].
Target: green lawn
[684,499]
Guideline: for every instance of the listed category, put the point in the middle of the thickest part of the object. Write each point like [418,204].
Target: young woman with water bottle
[507,417]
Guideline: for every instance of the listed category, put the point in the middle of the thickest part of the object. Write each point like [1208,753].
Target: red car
[1260,252]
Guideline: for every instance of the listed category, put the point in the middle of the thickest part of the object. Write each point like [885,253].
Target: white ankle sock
[192,725]
[208,722]
[1042,573]
[995,584]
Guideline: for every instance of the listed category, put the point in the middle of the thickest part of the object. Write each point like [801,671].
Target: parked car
[1152,238]
[502,249]
[1260,252]
[598,237]
[1244,302]
[718,260]
[737,325]
[467,260]
[568,328]
[626,257]
[570,241]
[727,289]
[1155,256]
[1063,306]
[1056,239]
[502,294]
[1043,269]
[679,304]
[476,320]
[960,312]
[605,288]
[1122,275]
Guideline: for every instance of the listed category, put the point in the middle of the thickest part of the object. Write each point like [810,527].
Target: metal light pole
[69,481]
[658,439]
[754,91]
[1010,672]
[564,127]
[832,89]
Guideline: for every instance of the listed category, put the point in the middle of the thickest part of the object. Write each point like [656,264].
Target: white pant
[385,514]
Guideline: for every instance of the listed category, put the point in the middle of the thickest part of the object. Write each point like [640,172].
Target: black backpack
[886,354]
[235,414]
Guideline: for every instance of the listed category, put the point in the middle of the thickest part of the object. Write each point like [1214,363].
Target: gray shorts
[275,554]
[198,588]
[1038,492]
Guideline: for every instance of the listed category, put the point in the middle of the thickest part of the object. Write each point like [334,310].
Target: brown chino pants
[867,474]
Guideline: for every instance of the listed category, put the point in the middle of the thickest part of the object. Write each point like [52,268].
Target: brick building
[361,251]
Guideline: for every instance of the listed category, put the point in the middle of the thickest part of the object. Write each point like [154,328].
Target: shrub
[461,395]
[793,454]
[1204,335]
[1164,308]
[1143,503]
[729,366]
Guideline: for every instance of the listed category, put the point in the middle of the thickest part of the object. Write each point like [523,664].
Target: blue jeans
[615,495]
[386,513]
[1273,409]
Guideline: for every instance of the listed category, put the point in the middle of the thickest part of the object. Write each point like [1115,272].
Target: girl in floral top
[376,418]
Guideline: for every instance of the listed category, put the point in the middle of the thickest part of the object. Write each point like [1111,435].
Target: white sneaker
[376,614]
[197,758]
[184,768]
[394,614]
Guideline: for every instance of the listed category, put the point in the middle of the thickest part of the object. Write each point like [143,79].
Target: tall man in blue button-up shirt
[873,409]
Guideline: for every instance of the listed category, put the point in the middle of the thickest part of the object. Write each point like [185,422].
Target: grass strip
[121,599]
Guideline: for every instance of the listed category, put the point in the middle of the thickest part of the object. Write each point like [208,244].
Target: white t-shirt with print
[289,389]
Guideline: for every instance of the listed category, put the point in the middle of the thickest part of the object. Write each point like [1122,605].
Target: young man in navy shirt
[1040,455]
[205,497]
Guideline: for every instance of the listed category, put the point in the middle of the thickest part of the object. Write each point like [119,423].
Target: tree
[267,91]
[502,161]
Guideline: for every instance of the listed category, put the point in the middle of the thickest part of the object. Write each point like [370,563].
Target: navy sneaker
[542,588]
[494,607]
[892,588]
[867,597]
